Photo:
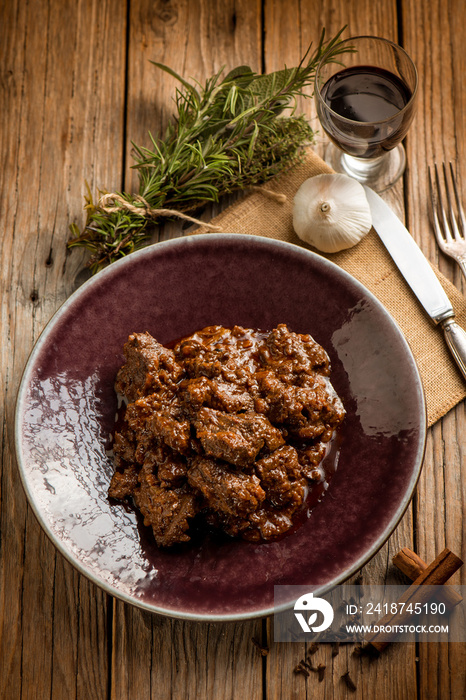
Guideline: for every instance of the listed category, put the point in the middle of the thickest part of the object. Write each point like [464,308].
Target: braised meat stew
[227,428]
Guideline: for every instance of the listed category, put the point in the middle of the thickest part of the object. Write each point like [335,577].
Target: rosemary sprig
[228,135]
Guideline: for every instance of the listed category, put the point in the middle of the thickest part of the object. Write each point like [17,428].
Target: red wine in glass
[366,115]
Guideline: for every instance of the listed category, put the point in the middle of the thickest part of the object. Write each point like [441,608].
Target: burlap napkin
[370,263]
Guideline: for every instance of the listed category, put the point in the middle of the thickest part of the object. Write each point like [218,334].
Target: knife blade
[418,273]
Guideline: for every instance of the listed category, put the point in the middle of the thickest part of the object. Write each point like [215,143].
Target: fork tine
[434,200]
[434,208]
[451,210]
[446,226]
[446,219]
[459,205]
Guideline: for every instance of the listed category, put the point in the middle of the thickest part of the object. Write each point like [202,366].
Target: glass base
[379,173]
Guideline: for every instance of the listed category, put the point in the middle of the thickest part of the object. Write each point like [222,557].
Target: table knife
[419,275]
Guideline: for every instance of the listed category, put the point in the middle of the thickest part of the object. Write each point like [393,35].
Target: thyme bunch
[227,135]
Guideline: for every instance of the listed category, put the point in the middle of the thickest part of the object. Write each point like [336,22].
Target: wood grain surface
[76,88]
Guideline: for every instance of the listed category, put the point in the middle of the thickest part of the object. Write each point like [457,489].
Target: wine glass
[365,104]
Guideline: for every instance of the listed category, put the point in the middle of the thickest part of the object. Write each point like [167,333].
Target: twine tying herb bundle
[228,135]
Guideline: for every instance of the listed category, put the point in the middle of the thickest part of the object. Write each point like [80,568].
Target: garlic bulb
[331,212]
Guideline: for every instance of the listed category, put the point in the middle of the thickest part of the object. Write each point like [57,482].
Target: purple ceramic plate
[66,410]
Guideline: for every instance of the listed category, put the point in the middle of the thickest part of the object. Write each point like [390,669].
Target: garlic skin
[331,212]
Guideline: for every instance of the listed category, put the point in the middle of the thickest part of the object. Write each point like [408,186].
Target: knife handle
[455,338]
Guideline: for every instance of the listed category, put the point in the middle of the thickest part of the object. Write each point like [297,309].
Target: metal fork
[449,225]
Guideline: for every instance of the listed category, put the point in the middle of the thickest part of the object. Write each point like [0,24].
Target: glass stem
[363,168]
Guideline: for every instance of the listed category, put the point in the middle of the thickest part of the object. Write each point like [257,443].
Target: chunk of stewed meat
[306,412]
[169,466]
[123,483]
[167,511]
[238,439]
[224,490]
[268,523]
[154,420]
[226,354]
[281,478]
[149,365]
[223,396]
[124,446]
[292,356]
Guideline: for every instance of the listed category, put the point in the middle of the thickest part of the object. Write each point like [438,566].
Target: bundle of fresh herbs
[228,135]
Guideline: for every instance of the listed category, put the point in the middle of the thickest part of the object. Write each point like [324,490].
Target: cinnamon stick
[412,565]
[436,574]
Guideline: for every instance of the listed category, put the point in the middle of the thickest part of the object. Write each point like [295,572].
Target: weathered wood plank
[195,39]
[62,89]
[438,51]
[165,658]
[154,656]
[288,30]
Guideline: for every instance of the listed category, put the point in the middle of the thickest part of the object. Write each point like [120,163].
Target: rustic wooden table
[76,88]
